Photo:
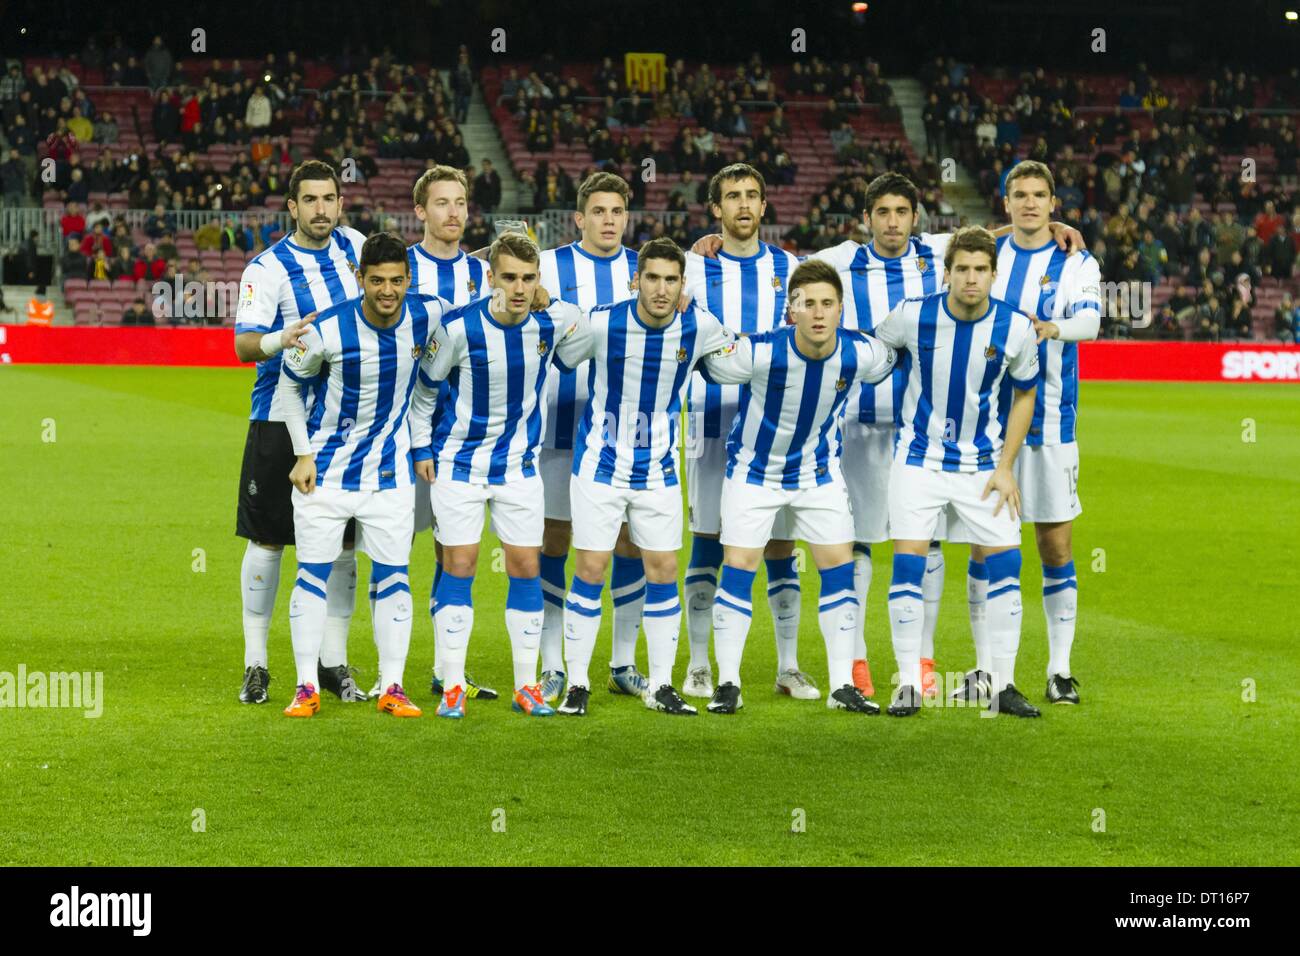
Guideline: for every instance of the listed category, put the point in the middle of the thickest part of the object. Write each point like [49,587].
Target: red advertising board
[1098,361]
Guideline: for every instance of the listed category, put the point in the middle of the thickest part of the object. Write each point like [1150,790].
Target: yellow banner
[645,71]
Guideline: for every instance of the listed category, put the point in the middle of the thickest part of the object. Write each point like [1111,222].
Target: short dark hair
[603,182]
[661,248]
[890,184]
[312,169]
[383,247]
[729,174]
[972,239]
[815,270]
[1030,169]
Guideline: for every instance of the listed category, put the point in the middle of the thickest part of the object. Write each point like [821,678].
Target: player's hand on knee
[1004,483]
[303,475]
[707,246]
[424,468]
[291,334]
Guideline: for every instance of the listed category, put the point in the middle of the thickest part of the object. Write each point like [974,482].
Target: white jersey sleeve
[713,335]
[301,365]
[938,243]
[1081,287]
[891,330]
[875,359]
[574,340]
[731,365]
[259,299]
[1022,353]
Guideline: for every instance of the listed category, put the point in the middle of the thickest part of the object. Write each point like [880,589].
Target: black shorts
[265,512]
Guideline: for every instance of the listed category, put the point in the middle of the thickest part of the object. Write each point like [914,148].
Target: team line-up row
[907,389]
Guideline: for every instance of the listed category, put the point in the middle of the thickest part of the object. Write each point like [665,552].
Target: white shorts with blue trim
[1048,476]
[821,514]
[384,522]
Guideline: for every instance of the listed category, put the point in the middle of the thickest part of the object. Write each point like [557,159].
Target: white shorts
[819,515]
[868,453]
[459,509]
[918,496]
[423,506]
[1048,476]
[653,515]
[384,522]
[555,465]
[706,474]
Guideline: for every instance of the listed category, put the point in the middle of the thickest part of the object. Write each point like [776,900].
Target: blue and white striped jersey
[628,434]
[1048,285]
[787,434]
[572,274]
[491,428]
[873,286]
[748,295]
[357,426]
[950,419]
[285,283]
[459,280]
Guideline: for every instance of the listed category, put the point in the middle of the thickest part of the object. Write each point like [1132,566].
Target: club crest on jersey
[1046,280]
[991,353]
[471,286]
[776,283]
[922,265]
[356,269]
[542,346]
[417,351]
[840,385]
[631,286]
[681,355]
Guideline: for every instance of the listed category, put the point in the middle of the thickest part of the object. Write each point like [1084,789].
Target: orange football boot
[394,701]
[305,702]
[928,686]
[862,679]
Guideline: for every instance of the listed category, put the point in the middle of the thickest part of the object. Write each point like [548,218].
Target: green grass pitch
[1184,752]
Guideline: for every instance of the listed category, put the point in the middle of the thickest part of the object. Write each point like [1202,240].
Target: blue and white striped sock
[1061,606]
[392,622]
[307,618]
[1003,613]
[977,595]
[524,625]
[581,623]
[907,616]
[554,586]
[733,609]
[837,612]
[663,626]
[783,599]
[861,587]
[627,589]
[701,585]
[454,622]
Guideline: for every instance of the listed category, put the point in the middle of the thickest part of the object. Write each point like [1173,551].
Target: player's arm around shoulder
[876,360]
[892,329]
[574,340]
[731,364]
